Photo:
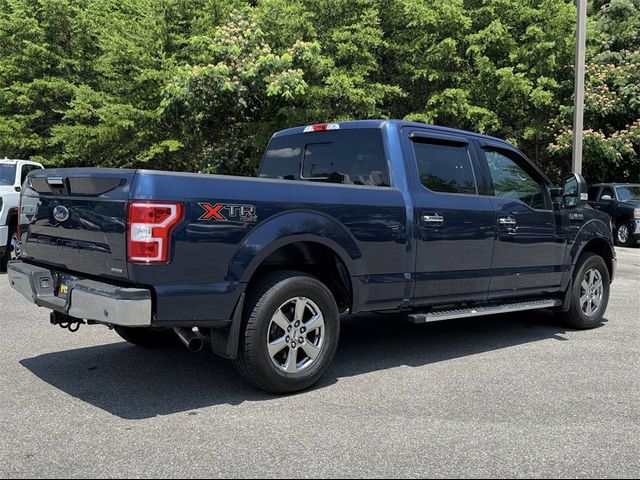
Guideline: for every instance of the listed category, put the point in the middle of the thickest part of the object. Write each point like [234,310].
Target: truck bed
[211,257]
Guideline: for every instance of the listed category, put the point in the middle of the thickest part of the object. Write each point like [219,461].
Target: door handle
[433,220]
[507,221]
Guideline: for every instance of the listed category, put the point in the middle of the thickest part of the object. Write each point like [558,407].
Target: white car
[12,175]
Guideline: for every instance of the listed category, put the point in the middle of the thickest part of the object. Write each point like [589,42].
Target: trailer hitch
[66,322]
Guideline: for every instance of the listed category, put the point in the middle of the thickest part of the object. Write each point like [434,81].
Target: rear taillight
[149,230]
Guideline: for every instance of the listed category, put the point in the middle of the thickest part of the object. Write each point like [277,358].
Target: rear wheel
[624,238]
[148,337]
[590,292]
[291,331]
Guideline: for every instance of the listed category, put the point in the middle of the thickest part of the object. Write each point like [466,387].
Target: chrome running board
[481,311]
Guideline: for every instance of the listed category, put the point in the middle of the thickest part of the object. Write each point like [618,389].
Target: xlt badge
[225,212]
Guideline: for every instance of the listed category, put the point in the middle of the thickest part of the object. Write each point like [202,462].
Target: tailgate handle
[55,181]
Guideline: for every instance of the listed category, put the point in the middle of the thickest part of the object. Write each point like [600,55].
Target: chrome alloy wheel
[591,292]
[16,247]
[623,234]
[295,337]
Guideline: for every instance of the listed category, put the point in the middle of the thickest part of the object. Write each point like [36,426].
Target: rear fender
[275,233]
[288,228]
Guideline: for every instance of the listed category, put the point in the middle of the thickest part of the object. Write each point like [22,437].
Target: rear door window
[350,156]
[445,167]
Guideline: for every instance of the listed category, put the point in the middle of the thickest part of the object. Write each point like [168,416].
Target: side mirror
[575,190]
[606,198]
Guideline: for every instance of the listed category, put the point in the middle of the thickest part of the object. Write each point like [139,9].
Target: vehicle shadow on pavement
[133,383]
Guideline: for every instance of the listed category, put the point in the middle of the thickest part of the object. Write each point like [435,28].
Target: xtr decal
[243,213]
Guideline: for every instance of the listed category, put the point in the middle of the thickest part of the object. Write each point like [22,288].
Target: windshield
[7,174]
[629,193]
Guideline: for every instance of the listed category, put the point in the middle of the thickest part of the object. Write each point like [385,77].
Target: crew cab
[365,216]
[12,176]
[621,201]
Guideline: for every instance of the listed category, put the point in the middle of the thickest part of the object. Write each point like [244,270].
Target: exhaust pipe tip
[196,345]
[190,339]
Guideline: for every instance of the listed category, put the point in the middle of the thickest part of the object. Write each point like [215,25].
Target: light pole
[578,110]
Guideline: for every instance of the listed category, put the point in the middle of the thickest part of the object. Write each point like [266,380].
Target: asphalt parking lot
[514,395]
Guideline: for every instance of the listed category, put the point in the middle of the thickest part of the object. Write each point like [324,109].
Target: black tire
[624,236]
[148,337]
[270,293]
[4,260]
[576,316]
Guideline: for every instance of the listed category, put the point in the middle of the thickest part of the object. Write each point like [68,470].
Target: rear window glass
[351,157]
[445,168]
[7,174]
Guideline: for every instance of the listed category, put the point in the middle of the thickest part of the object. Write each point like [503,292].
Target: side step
[481,311]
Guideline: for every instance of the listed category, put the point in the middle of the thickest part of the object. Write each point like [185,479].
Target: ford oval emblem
[61,214]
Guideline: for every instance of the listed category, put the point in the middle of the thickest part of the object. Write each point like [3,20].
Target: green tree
[45,50]
[494,66]
[117,120]
[222,105]
[201,85]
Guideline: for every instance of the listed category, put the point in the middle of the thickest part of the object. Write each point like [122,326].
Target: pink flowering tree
[227,101]
[612,98]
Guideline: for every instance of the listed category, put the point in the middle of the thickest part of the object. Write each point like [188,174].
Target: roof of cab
[400,124]
[12,161]
[16,161]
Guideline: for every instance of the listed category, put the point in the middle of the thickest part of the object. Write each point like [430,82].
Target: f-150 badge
[225,213]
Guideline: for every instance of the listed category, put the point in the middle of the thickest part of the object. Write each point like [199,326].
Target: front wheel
[291,330]
[624,238]
[13,250]
[590,292]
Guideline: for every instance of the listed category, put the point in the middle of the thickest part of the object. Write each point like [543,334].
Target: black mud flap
[226,341]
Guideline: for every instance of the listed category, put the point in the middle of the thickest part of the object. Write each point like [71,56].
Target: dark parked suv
[622,202]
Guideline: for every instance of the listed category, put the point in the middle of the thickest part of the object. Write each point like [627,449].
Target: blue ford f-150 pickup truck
[345,218]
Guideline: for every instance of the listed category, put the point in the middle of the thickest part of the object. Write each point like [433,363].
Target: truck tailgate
[76,220]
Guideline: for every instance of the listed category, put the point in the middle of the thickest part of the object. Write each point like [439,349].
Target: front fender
[592,230]
[288,228]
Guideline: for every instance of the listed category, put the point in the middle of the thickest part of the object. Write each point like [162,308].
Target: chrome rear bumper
[85,300]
